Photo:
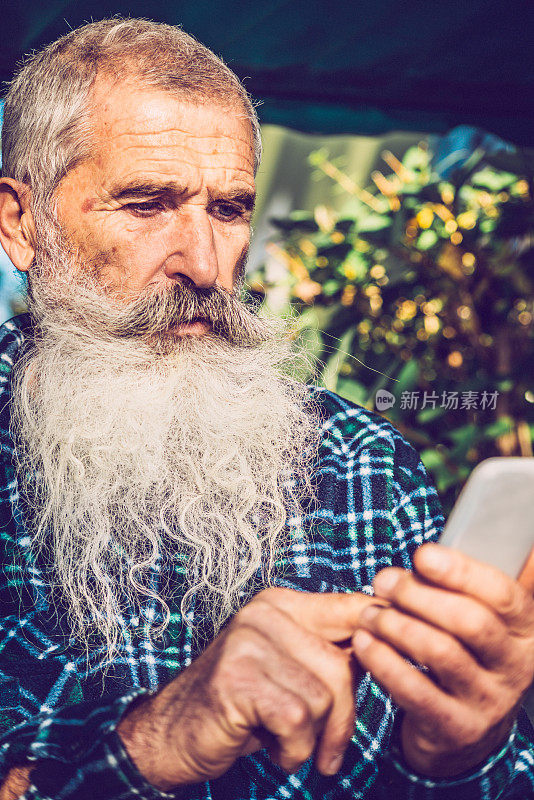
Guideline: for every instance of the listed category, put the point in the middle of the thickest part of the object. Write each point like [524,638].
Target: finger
[315,663]
[526,579]
[286,716]
[451,664]
[410,689]
[479,629]
[333,616]
[256,741]
[455,571]
[439,722]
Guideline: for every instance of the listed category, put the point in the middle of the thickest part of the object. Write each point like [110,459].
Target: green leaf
[415,158]
[329,375]
[374,222]
[493,180]
[411,189]
[407,379]
[330,287]
[464,433]
[497,428]
[431,458]
[487,225]
[323,241]
[445,479]
[505,385]
[354,267]
[316,317]
[352,390]
[429,414]
[299,220]
[318,157]
[427,240]
[353,209]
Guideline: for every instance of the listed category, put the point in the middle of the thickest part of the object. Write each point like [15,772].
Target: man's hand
[16,783]
[472,627]
[274,678]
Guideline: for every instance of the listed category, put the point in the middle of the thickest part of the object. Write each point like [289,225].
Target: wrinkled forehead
[147,126]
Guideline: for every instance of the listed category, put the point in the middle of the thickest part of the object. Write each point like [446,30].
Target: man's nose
[194,251]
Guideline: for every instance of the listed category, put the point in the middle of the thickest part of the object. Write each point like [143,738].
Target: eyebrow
[141,189]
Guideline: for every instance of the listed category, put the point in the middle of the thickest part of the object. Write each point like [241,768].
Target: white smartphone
[493,518]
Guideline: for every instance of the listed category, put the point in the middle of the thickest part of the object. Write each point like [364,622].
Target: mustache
[160,312]
[68,293]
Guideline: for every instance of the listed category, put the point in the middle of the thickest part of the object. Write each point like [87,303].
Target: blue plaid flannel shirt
[60,712]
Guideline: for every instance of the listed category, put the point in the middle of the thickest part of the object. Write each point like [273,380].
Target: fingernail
[369,613]
[361,641]
[335,764]
[386,581]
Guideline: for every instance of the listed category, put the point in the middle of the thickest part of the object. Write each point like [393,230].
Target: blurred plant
[422,285]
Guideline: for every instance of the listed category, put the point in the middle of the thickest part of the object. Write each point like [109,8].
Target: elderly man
[207,586]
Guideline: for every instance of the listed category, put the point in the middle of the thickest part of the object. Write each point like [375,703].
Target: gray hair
[47,125]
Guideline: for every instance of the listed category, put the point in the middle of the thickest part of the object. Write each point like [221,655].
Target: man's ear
[17,227]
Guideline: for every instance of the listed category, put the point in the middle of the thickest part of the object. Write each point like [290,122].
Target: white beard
[133,449]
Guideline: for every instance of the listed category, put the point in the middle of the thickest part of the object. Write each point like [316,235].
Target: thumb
[330,615]
[526,578]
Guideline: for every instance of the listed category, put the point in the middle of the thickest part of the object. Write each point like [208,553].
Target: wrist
[140,735]
[433,759]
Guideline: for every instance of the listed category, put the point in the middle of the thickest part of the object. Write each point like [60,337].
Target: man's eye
[227,210]
[147,209]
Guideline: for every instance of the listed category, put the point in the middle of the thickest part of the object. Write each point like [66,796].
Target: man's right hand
[273,678]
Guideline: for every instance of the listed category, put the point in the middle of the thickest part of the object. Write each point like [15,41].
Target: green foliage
[418,285]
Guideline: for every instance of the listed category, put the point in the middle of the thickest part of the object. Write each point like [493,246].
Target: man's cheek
[130,266]
[240,268]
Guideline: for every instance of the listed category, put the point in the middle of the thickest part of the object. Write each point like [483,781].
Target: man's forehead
[130,117]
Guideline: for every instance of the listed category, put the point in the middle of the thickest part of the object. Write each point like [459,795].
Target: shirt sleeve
[78,754]
[507,774]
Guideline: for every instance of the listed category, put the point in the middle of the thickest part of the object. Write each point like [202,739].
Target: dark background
[348,67]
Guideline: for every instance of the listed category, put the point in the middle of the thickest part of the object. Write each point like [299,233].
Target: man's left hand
[472,628]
